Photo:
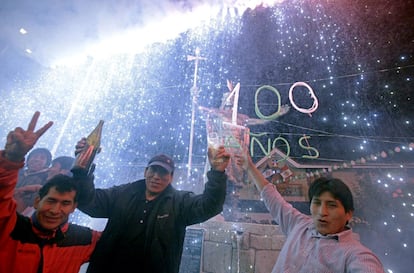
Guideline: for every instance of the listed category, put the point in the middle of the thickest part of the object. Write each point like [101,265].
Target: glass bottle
[84,159]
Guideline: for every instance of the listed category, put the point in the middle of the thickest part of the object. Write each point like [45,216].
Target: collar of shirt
[57,233]
[343,235]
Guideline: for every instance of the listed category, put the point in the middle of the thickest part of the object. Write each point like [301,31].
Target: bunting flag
[285,172]
[268,173]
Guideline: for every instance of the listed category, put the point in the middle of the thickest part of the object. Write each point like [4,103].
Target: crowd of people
[38,169]
[147,219]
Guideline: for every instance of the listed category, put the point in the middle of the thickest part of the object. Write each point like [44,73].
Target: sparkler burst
[126,63]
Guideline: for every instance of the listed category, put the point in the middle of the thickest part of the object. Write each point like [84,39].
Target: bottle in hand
[84,159]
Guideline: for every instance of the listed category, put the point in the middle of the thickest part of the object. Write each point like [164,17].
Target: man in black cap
[147,219]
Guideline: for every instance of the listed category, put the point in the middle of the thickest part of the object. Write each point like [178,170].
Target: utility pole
[194,94]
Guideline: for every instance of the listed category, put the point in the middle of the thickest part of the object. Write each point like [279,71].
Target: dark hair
[65,162]
[336,187]
[41,151]
[62,183]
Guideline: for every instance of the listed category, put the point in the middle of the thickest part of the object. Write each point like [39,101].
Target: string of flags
[288,175]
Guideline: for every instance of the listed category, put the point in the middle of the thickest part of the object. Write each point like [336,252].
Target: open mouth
[52,219]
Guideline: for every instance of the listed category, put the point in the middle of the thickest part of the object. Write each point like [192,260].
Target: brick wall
[239,247]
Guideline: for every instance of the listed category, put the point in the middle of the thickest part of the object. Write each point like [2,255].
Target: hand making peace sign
[20,141]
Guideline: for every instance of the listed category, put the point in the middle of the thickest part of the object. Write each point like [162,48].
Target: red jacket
[22,251]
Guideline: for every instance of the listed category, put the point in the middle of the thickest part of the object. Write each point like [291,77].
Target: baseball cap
[162,160]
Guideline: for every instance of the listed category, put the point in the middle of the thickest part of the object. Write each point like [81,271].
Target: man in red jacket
[45,242]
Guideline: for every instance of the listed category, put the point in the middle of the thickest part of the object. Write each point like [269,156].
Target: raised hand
[21,141]
[82,145]
[28,189]
[218,159]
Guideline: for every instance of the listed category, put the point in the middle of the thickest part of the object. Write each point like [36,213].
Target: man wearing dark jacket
[147,219]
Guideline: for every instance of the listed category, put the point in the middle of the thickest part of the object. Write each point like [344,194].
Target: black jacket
[158,249]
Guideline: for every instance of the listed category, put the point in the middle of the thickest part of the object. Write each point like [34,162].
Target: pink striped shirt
[307,251]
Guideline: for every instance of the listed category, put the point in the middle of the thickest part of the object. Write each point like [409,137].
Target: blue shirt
[307,251]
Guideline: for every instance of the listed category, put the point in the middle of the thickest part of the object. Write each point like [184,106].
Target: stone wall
[231,247]
[239,247]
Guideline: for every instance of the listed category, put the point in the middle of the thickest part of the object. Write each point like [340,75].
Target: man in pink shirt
[321,242]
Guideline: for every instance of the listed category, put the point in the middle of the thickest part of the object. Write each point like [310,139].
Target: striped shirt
[307,251]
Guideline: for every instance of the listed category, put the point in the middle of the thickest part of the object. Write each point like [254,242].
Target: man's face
[328,213]
[37,162]
[156,180]
[54,208]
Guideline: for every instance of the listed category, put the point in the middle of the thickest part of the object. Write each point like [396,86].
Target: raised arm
[255,174]
[20,142]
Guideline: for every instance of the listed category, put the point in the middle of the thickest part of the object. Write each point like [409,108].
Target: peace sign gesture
[20,141]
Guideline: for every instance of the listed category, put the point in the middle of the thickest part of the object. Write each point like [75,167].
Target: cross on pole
[194,93]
